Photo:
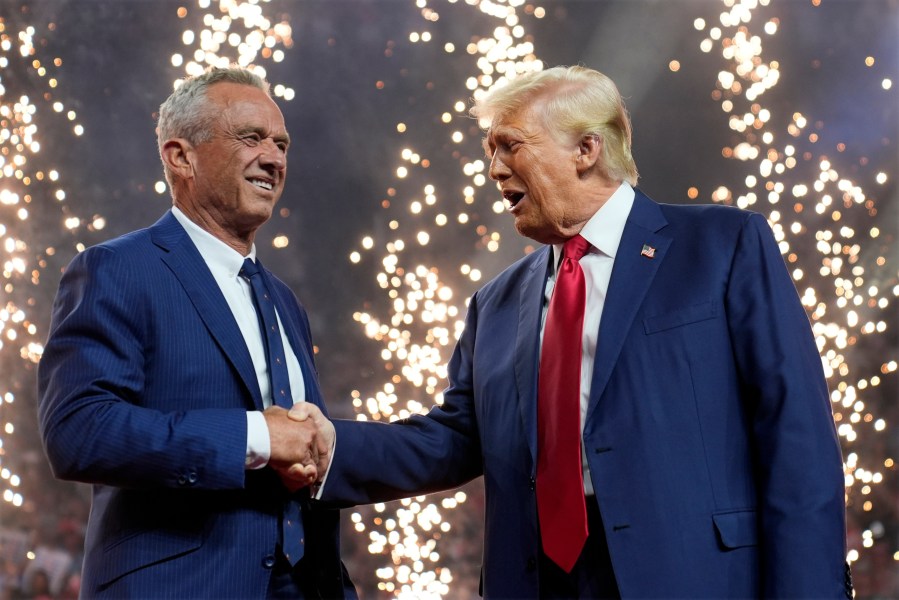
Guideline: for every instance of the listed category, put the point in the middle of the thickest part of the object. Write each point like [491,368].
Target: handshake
[302,443]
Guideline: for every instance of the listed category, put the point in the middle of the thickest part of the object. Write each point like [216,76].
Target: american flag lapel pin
[648,251]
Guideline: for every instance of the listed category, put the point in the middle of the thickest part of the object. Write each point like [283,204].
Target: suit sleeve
[376,462]
[95,405]
[798,461]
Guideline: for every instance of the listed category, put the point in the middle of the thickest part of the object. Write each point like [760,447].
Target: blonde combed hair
[574,101]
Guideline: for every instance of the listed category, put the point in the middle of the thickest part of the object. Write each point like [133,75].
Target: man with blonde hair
[643,395]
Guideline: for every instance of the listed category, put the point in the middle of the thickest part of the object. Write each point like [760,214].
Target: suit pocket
[143,549]
[737,529]
[680,317]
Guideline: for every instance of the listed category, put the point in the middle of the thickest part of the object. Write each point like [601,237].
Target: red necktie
[560,480]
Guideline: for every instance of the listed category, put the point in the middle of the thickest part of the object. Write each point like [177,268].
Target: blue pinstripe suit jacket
[144,386]
[709,434]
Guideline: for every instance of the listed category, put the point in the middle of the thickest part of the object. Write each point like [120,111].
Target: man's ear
[177,154]
[589,152]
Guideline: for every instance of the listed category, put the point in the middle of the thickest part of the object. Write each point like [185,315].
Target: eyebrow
[501,133]
[492,134]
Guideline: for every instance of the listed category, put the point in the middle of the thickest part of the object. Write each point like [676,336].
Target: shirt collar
[604,229]
[221,258]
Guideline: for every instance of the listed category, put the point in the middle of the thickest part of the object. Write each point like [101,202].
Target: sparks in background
[33,211]
[234,32]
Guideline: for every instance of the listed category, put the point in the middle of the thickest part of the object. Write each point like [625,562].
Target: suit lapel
[632,275]
[185,262]
[527,343]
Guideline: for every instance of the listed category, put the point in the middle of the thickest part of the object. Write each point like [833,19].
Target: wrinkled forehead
[528,119]
[227,94]
[517,101]
[497,131]
[499,114]
[515,117]
[496,128]
[247,105]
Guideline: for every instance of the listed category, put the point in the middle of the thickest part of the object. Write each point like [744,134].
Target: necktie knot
[575,248]
[249,269]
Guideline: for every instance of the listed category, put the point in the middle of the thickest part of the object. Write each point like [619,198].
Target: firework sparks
[30,190]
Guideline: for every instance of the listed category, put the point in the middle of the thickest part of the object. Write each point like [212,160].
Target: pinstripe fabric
[144,387]
[708,434]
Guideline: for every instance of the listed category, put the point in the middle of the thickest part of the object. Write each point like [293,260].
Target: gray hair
[577,101]
[185,113]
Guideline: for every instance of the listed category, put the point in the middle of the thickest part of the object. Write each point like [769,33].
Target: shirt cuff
[319,486]
[259,445]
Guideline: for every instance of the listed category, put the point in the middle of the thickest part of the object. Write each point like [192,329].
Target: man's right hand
[301,444]
[293,444]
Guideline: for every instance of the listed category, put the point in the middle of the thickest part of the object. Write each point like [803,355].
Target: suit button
[268,562]
[533,484]
[182,480]
[532,565]
[192,478]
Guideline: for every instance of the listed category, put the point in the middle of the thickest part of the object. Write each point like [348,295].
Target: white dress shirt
[225,263]
[603,231]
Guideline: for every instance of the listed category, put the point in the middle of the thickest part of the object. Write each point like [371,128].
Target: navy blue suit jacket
[144,387]
[709,432]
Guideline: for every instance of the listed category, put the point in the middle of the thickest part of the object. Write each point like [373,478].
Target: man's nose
[499,171]
[273,156]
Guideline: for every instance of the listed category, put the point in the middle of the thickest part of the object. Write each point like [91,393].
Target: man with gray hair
[643,394]
[172,359]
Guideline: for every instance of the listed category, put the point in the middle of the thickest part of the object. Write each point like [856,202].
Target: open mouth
[262,183]
[512,197]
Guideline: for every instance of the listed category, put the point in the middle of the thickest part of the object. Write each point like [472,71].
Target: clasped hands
[302,441]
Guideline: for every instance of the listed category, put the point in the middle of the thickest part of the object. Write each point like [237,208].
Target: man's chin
[250,221]
[262,210]
[531,231]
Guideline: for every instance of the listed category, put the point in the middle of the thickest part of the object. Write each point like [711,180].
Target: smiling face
[231,183]
[544,177]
